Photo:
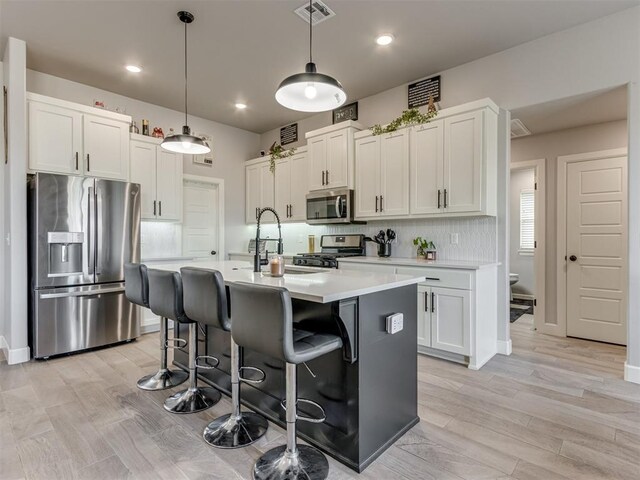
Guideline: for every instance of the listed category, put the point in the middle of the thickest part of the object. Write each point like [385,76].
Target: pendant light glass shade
[185,142]
[310,91]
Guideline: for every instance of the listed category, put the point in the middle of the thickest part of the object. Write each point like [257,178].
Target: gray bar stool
[205,300]
[263,322]
[136,289]
[165,299]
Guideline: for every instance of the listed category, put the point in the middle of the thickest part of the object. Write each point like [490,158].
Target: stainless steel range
[332,248]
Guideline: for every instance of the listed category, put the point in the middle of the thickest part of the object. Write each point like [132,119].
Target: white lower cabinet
[444,319]
[457,309]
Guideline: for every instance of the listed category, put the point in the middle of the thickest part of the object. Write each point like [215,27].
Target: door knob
[213,252]
[573,258]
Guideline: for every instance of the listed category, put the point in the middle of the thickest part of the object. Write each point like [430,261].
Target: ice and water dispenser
[65,253]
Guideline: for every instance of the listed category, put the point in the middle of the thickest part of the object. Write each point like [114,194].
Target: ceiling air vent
[518,129]
[319,12]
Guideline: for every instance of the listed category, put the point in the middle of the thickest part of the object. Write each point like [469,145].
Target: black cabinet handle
[154,208]
[433,302]
[381,208]
[438,198]
[213,252]
[426,301]
[160,208]
[323,177]
[376,203]
[290,210]
[77,161]
[573,258]
[88,164]
[327,177]
[445,198]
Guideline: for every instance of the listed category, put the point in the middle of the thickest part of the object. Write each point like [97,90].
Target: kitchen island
[368,389]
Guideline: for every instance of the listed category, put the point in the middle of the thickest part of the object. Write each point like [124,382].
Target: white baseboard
[631,373]
[16,355]
[504,347]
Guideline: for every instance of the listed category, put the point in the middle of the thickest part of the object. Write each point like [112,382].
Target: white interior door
[200,226]
[597,250]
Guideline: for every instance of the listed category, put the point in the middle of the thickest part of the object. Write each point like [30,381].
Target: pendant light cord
[185,73]
[310,32]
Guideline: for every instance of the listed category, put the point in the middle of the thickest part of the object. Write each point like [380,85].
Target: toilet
[513,279]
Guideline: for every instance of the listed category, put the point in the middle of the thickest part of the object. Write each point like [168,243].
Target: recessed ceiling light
[384,39]
[133,68]
[241,106]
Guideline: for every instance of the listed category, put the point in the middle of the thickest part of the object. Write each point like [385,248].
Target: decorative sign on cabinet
[68,138]
[159,174]
[331,156]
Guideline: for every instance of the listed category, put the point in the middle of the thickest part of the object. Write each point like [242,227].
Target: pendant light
[185,142]
[310,91]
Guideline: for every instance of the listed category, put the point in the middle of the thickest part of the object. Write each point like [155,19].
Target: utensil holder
[384,249]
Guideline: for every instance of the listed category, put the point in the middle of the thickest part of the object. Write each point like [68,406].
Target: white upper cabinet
[68,138]
[260,191]
[169,167]
[106,147]
[55,139]
[427,162]
[331,156]
[462,182]
[290,184]
[454,162]
[382,175]
[159,174]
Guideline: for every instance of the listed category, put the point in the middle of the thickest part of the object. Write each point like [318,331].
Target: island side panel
[388,370]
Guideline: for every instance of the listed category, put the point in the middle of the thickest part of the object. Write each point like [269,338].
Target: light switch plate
[395,323]
[454,239]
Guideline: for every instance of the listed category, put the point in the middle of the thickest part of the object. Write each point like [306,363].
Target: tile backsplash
[160,239]
[476,236]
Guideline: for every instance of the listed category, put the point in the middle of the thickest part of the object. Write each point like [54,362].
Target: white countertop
[247,254]
[324,285]
[419,262]
[177,258]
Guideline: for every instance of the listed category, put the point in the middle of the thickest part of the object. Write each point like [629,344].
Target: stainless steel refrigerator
[81,232]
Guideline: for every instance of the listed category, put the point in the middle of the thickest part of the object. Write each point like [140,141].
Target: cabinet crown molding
[335,127]
[78,107]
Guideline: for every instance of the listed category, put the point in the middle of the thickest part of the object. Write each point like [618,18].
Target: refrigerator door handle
[98,221]
[91,230]
[83,293]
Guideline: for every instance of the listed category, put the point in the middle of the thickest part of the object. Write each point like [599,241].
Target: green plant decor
[423,245]
[276,152]
[408,117]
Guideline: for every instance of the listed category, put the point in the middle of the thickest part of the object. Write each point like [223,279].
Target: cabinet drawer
[366,267]
[441,277]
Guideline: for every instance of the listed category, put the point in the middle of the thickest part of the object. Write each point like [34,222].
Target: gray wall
[522,264]
[592,138]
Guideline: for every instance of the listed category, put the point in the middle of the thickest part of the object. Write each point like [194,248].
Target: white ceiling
[577,111]
[240,50]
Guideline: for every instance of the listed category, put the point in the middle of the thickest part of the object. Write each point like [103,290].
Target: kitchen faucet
[257,261]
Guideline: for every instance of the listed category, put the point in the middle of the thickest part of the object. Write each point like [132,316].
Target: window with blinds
[527,220]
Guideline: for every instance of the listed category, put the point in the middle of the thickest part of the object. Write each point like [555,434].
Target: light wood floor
[555,409]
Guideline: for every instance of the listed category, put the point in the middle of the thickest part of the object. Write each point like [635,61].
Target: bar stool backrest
[165,295]
[136,284]
[262,319]
[205,297]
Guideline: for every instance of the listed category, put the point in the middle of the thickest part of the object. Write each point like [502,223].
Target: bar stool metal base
[192,400]
[234,432]
[162,380]
[277,464]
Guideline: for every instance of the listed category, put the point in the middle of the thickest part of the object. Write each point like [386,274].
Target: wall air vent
[319,12]
[518,129]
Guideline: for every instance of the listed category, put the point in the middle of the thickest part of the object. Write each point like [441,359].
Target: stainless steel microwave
[330,206]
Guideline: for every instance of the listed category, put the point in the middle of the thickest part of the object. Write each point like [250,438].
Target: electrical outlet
[454,239]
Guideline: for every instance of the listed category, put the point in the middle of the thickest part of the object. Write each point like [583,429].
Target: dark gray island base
[368,389]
